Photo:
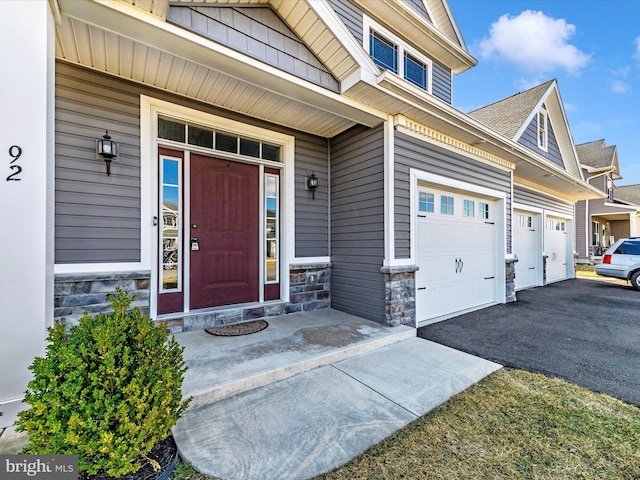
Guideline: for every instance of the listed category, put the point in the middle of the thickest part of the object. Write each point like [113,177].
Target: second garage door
[555,247]
[526,240]
[456,244]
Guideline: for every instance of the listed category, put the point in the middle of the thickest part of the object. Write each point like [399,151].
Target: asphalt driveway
[584,331]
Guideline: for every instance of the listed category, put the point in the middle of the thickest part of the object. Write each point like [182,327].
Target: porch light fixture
[312,184]
[107,150]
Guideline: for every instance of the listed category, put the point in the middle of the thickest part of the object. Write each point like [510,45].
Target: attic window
[391,53]
[543,129]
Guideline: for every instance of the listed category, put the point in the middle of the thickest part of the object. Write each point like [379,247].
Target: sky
[592,47]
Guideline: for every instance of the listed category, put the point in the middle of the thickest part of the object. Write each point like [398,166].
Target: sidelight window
[171,207]
[272,230]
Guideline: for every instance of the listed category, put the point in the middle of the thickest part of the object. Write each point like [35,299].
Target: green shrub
[107,391]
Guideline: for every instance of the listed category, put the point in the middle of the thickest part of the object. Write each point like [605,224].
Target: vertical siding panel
[410,153]
[582,229]
[357,223]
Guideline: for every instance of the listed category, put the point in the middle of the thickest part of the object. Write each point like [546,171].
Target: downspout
[329,196]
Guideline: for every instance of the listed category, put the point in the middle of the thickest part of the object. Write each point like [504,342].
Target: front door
[224,230]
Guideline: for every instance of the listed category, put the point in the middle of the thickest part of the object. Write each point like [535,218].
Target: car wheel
[635,280]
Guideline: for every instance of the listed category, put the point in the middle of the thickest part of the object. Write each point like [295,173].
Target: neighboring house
[222,114]
[543,209]
[600,222]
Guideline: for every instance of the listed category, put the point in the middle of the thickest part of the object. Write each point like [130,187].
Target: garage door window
[483,210]
[446,205]
[469,208]
[425,202]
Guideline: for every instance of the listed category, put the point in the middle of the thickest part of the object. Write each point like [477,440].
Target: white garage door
[526,237]
[455,252]
[556,241]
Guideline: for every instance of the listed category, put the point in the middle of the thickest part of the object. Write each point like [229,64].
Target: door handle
[457,265]
[461,265]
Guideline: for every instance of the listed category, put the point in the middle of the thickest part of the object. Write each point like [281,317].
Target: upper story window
[391,53]
[543,129]
[609,189]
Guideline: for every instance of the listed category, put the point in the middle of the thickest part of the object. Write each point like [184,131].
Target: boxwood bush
[107,390]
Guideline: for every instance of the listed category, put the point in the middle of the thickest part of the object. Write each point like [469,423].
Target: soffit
[122,40]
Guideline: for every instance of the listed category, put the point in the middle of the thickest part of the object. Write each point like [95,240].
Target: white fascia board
[123,19]
[526,208]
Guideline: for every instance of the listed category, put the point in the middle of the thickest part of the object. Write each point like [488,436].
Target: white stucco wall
[26,192]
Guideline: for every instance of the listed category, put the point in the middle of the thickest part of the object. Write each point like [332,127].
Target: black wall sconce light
[107,150]
[312,184]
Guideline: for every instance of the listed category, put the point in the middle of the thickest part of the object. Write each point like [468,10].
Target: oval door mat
[238,329]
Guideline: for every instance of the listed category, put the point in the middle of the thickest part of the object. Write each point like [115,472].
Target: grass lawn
[511,425]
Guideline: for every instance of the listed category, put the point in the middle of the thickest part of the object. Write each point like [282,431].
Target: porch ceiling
[395,95]
[132,41]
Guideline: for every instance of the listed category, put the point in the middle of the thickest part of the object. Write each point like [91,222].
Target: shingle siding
[257,32]
[357,223]
[410,153]
[98,217]
[582,229]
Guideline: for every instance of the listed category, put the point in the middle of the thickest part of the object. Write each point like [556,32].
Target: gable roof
[508,115]
[595,155]
[628,193]
[512,115]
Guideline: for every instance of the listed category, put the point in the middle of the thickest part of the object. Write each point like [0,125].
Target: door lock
[195,246]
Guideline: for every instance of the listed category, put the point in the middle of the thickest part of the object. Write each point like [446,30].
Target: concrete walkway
[309,393]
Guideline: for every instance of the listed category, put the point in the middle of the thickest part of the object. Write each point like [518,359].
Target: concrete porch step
[221,367]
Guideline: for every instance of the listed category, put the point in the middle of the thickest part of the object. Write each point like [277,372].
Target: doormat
[238,329]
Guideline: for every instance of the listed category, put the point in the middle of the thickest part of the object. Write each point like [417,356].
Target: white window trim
[545,144]
[370,24]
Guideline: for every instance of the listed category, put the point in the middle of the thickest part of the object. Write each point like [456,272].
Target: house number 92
[14,152]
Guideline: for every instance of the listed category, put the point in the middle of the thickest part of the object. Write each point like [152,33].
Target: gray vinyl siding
[258,32]
[312,216]
[357,223]
[418,6]
[529,139]
[97,217]
[535,199]
[410,153]
[441,82]
[352,17]
[582,229]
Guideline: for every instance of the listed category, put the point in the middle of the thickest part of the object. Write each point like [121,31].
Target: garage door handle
[422,288]
[457,265]
[489,278]
[489,223]
[461,265]
[532,268]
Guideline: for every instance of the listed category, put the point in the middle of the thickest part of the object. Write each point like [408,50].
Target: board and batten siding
[98,217]
[353,18]
[357,223]
[529,139]
[411,152]
[535,199]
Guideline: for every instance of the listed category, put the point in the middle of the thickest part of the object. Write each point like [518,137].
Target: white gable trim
[534,112]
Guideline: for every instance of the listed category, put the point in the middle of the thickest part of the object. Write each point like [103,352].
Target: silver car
[622,260]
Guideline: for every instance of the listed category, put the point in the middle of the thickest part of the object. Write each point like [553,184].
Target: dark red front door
[224,229]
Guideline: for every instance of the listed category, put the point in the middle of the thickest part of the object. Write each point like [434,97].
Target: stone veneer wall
[510,278]
[309,289]
[400,295]
[77,293]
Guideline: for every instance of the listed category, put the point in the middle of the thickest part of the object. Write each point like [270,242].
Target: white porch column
[26,192]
